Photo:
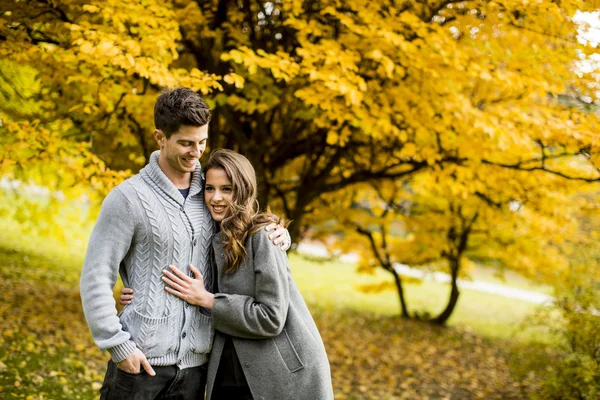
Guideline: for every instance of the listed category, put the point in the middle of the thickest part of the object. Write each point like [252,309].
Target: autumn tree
[319,95]
[454,218]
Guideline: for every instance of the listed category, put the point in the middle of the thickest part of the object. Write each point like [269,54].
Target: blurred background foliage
[452,136]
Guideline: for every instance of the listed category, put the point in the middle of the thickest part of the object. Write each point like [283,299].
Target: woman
[266,345]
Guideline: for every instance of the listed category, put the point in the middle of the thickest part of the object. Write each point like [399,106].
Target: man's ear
[160,137]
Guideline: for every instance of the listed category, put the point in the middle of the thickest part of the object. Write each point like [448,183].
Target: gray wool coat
[275,337]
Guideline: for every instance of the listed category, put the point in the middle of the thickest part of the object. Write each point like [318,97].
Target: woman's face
[218,192]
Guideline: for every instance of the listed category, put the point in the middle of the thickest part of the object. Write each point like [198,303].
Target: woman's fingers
[175,292]
[176,279]
[174,285]
[179,273]
[196,272]
[126,291]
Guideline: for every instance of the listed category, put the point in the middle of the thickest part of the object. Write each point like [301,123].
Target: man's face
[184,148]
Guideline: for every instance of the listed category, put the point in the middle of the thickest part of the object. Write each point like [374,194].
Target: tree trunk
[294,228]
[454,294]
[399,287]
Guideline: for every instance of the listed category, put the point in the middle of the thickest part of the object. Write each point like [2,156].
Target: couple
[197,254]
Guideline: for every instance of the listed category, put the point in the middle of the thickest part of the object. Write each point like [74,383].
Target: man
[160,344]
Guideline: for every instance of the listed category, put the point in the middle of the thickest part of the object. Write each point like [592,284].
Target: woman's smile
[218,193]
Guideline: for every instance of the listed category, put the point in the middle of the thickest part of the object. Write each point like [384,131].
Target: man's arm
[107,247]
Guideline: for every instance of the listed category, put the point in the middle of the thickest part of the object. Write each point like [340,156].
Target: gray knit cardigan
[145,225]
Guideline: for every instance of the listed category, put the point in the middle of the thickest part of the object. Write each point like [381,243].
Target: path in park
[315,249]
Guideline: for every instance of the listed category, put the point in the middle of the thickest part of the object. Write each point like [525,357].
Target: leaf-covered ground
[46,351]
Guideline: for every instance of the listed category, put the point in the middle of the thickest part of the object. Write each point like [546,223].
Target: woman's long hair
[243,217]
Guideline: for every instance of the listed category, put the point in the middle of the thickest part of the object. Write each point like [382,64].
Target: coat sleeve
[264,315]
[109,243]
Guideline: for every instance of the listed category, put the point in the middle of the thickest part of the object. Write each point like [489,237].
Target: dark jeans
[231,393]
[170,383]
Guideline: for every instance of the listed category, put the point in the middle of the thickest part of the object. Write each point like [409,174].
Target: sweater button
[247,365]
[195,242]
[181,208]
[183,335]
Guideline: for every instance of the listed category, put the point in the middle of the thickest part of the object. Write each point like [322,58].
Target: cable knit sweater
[144,225]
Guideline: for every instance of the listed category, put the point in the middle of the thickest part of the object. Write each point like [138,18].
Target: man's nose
[197,150]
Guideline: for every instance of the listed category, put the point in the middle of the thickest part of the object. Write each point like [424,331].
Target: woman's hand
[187,288]
[126,296]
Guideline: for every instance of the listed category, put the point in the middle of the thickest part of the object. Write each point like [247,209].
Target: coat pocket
[287,351]
[151,335]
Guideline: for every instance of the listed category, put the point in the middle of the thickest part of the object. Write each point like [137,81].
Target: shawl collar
[154,175]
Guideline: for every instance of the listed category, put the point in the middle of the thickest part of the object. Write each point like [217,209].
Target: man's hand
[279,236]
[126,296]
[134,362]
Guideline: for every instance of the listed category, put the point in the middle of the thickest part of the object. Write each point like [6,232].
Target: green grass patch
[334,285]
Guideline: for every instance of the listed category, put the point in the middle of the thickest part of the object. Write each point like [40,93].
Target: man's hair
[177,107]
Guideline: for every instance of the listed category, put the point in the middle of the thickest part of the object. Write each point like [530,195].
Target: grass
[509,278]
[334,285]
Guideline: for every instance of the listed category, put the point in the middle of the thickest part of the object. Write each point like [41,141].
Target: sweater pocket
[287,351]
[151,335]
[202,332]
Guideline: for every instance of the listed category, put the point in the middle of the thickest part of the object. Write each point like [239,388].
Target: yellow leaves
[332,138]
[281,65]
[415,362]
[90,8]
[234,79]
[408,150]
[377,287]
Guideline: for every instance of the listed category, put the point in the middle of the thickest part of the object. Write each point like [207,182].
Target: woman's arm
[249,317]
